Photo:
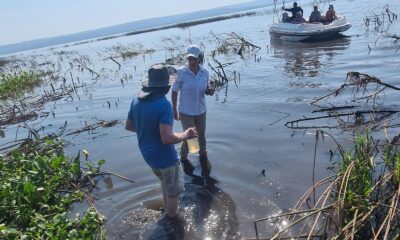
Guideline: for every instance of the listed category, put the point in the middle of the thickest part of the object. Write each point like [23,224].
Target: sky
[24,20]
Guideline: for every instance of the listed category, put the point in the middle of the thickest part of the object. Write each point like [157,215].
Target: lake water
[245,124]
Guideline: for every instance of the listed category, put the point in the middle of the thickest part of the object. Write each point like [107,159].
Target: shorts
[171,178]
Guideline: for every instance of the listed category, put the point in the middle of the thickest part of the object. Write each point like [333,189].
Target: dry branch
[91,127]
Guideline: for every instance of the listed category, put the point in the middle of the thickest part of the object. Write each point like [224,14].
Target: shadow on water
[305,59]
[206,212]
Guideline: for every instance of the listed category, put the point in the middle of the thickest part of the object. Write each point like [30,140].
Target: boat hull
[308,31]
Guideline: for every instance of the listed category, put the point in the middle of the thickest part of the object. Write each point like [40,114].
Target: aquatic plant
[359,202]
[15,84]
[38,185]
[128,51]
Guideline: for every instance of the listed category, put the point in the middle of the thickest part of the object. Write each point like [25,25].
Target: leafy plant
[38,184]
[13,85]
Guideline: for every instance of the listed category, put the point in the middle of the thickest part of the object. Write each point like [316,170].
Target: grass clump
[38,185]
[361,201]
[15,84]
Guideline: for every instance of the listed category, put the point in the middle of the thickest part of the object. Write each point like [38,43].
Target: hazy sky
[22,20]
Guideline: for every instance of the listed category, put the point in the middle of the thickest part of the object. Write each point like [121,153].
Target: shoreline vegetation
[39,184]
[359,201]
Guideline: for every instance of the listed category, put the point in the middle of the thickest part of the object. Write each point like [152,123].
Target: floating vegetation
[38,185]
[130,51]
[360,201]
[362,109]
[29,108]
[13,85]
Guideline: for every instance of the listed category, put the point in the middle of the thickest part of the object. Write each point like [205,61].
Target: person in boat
[315,16]
[330,15]
[299,18]
[294,10]
[285,17]
[151,117]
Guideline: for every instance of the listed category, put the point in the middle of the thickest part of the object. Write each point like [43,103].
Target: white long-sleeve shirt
[191,90]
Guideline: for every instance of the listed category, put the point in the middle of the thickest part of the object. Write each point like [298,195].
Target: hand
[191,133]
[176,115]
[209,92]
[210,89]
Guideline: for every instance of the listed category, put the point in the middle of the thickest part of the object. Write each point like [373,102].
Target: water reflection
[207,211]
[305,59]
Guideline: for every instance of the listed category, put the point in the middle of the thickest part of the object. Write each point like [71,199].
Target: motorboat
[296,32]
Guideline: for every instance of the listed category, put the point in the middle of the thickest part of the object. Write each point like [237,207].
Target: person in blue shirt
[315,15]
[151,117]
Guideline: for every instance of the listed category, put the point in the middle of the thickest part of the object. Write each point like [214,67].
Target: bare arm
[129,126]
[174,99]
[168,136]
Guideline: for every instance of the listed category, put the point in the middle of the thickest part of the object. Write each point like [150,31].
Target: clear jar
[193,145]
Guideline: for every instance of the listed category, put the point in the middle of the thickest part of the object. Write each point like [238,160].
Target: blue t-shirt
[147,117]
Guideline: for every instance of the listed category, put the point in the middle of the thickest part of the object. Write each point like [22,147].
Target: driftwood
[357,116]
[233,42]
[369,113]
[91,127]
[229,42]
[358,80]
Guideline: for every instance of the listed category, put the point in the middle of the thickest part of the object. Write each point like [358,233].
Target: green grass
[14,85]
[37,188]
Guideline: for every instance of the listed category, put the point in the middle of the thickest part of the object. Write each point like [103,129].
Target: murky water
[259,166]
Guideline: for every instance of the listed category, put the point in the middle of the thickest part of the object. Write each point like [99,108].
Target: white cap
[193,51]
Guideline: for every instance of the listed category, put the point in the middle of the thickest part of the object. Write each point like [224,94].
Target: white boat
[295,32]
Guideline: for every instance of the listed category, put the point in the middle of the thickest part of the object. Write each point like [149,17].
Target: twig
[115,174]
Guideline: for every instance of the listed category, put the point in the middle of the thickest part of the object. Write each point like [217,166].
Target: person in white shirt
[192,86]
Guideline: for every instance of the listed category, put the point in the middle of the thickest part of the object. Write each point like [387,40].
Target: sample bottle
[193,145]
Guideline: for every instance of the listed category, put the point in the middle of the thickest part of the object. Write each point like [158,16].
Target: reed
[360,201]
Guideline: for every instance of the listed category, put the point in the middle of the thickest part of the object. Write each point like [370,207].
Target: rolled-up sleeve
[177,85]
